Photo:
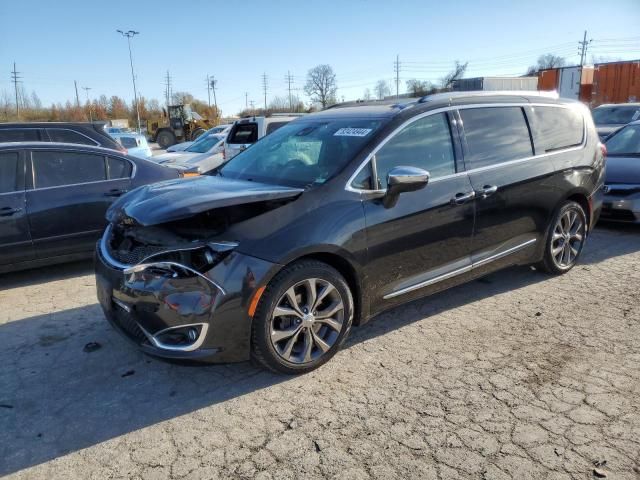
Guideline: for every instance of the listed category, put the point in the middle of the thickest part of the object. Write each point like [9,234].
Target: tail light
[603,149]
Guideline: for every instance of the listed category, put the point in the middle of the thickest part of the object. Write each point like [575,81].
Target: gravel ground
[517,375]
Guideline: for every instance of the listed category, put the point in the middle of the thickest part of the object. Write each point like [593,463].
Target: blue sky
[57,42]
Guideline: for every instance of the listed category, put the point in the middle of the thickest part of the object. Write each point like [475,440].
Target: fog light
[193,334]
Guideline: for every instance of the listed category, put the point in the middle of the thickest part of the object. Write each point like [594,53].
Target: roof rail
[489,93]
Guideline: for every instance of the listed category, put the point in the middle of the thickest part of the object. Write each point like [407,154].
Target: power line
[167,88]
[15,77]
[289,80]
[86,89]
[265,86]
[583,48]
[213,83]
[396,68]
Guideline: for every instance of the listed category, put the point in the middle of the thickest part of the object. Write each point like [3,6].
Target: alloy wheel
[567,239]
[307,321]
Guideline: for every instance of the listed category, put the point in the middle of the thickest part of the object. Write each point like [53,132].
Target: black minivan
[342,214]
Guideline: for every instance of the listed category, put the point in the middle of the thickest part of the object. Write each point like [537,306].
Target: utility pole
[86,89]
[289,80]
[129,34]
[15,77]
[213,84]
[264,89]
[583,48]
[396,67]
[77,97]
[208,91]
[167,85]
[253,106]
[246,100]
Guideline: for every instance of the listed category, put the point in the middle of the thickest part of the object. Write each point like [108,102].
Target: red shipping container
[616,82]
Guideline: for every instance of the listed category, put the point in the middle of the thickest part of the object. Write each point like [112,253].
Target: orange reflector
[190,174]
[254,302]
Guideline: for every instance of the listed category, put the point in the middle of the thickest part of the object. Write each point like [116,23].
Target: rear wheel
[565,239]
[303,317]
[196,133]
[165,139]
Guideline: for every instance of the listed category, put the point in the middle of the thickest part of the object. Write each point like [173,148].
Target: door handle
[114,193]
[487,191]
[8,211]
[461,198]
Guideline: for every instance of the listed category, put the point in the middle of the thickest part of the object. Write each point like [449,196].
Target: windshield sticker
[352,132]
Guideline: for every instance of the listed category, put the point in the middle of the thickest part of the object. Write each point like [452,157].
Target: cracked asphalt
[515,376]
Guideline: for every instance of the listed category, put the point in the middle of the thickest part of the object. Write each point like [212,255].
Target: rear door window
[9,172]
[556,128]
[128,142]
[425,143]
[244,133]
[54,169]
[118,168]
[69,136]
[19,135]
[495,135]
[273,126]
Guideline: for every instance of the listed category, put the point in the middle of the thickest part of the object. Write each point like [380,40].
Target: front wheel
[165,139]
[565,239]
[303,317]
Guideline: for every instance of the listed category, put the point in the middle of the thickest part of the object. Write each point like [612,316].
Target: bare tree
[367,94]
[548,60]
[419,88]
[382,89]
[455,74]
[321,85]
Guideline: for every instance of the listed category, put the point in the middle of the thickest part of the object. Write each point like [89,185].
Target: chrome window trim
[96,144]
[460,271]
[369,157]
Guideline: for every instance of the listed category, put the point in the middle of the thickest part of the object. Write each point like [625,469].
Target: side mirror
[404,179]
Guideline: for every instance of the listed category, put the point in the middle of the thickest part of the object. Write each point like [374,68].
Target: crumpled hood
[622,170]
[177,199]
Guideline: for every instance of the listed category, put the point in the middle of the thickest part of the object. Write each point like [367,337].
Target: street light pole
[130,34]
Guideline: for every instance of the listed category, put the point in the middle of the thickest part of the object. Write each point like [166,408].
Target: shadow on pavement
[36,276]
[56,398]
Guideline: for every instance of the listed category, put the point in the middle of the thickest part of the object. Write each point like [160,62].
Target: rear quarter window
[495,135]
[556,128]
[19,135]
[244,133]
[273,126]
[69,136]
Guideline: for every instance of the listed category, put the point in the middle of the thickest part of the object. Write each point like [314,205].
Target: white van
[249,130]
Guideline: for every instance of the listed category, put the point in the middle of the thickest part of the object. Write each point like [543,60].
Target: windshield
[625,142]
[205,144]
[302,153]
[619,115]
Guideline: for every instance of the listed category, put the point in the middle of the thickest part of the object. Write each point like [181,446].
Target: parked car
[64,132]
[611,117]
[53,198]
[135,143]
[342,214]
[621,201]
[247,131]
[201,157]
[180,147]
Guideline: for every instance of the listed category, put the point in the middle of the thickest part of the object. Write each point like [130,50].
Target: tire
[196,133]
[289,291]
[565,239]
[165,139]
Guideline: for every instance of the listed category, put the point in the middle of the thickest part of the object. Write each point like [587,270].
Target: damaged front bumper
[172,310]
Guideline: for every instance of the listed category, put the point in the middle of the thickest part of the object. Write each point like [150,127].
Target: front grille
[619,215]
[128,325]
[135,255]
